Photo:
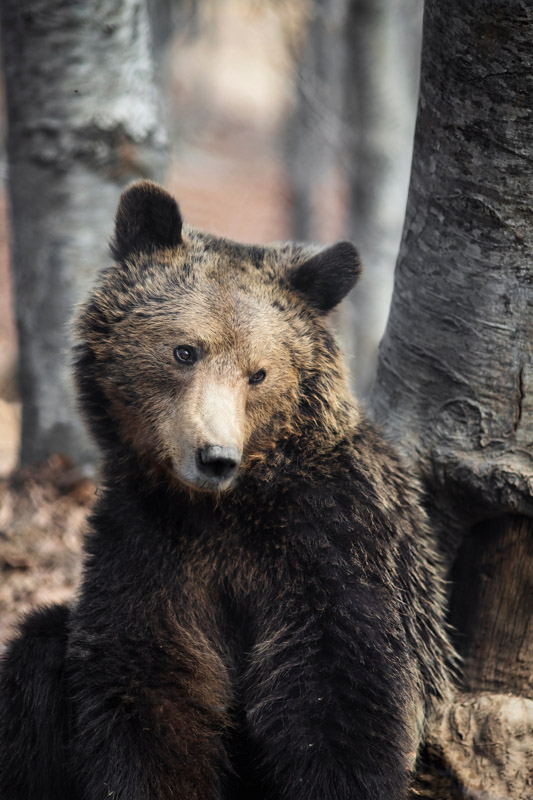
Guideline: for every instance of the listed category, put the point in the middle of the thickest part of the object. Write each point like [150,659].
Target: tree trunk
[83,120]
[314,134]
[455,384]
[481,746]
[492,609]
[383,41]
[351,135]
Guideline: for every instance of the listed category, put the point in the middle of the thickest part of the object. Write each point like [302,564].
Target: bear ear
[324,279]
[147,218]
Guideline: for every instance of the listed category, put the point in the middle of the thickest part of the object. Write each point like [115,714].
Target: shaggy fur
[279,638]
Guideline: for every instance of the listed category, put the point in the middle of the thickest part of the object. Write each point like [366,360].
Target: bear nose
[217,461]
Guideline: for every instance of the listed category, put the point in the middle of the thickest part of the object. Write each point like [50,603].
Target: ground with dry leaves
[42,516]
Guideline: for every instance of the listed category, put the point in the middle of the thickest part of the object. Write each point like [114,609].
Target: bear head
[199,357]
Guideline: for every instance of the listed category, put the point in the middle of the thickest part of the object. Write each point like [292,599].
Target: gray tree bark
[455,378]
[83,119]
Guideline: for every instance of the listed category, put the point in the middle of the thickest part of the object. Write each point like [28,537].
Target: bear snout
[218,462]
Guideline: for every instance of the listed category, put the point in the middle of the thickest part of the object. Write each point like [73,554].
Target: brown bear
[261,613]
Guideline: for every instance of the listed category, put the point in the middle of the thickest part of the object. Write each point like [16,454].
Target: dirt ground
[42,516]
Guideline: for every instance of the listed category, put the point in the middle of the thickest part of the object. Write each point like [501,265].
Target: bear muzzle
[218,463]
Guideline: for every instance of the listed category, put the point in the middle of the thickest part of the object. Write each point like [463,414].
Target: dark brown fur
[280,636]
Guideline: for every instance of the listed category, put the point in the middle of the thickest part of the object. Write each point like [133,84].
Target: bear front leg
[150,710]
[330,702]
[35,719]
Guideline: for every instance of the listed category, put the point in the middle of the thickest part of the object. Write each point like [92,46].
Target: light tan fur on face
[217,405]
[210,413]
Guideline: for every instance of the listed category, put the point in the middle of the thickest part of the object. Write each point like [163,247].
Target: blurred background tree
[349,144]
[82,119]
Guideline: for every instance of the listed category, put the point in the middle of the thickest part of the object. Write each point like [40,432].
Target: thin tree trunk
[383,40]
[82,120]
[315,129]
[455,378]
[351,134]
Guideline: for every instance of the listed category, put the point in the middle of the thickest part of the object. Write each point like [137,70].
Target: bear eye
[257,377]
[186,354]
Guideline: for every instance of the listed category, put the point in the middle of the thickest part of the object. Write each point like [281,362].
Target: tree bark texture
[83,119]
[492,606]
[479,748]
[455,379]
[481,744]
